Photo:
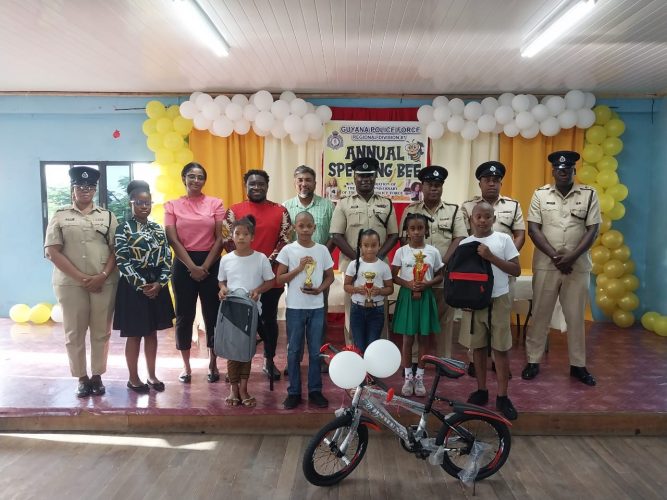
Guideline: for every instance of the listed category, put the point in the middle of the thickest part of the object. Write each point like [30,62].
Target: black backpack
[469,279]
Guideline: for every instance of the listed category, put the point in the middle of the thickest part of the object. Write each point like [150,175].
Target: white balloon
[556,105]
[472,111]
[532,101]
[200,122]
[234,111]
[57,314]
[489,105]
[589,100]
[288,96]
[347,370]
[524,120]
[382,358]
[298,107]
[210,111]
[188,109]
[250,112]
[293,124]
[567,119]
[585,118]
[504,114]
[222,101]
[222,127]
[194,95]
[324,112]
[280,109]
[550,127]
[455,123]
[440,101]
[264,120]
[540,112]
[311,123]
[435,130]
[202,100]
[311,107]
[299,138]
[575,99]
[260,131]
[520,103]
[510,129]
[442,114]
[240,99]
[505,99]
[278,131]
[263,100]
[545,99]
[318,133]
[486,123]
[456,106]
[242,126]
[498,128]
[470,131]
[425,114]
[530,132]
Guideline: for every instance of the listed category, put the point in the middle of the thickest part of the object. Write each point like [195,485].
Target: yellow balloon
[612,239]
[606,303]
[605,225]
[606,202]
[607,163]
[613,268]
[602,114]
[602,280]
[629,267]
[600,255]
[614,127]
[154,142]
[597,187]
[660,326]
[617,212]
[19,313]
[628,302]
[173,111]
[607,178]
[164,183]
[597,268]
[614,288]
[172,141]
[618,191]
[149,126]
[612,146]
[40,314]
[587,174]
[183,156]
[596,134]
[592,153]
[648,320]
[630,282]
[623,319]
[621,253]
[182,125]
[164,156]
[164,125]
[155,109]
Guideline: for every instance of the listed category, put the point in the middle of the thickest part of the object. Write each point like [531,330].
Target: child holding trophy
[307,268]
[416,267]
[368,280]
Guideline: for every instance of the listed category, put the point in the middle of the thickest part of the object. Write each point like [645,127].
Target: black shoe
[582,375]
[292,401]
[276,372]
[316,398]
[157,386]
[493,369]
[139,389]
[471,369]
[505,406]
[286,372]
[479,397]
[530,371]
[414,369]
[96,386]
[185,378]
[213,377]
[84,390]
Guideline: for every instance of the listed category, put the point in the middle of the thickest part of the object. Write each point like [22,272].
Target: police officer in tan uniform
[447,229]
[563,222]
[509,217]
[79,242]
[362,210]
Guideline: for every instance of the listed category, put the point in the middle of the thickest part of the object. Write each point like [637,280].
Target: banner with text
[400,147]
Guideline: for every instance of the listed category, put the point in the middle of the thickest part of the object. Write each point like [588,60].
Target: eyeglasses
[141,203]
[85,188]
[193,177]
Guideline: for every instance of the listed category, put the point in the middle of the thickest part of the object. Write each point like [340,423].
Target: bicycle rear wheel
[460,435]
[323,462]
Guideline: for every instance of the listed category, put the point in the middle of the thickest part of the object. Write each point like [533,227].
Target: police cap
[563,159]
[490,169]
[365,165]
[433,173]
[83,176]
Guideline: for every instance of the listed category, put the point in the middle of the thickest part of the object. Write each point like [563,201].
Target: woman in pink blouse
[194,229]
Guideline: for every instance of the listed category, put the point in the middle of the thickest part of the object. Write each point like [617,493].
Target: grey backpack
[236,328]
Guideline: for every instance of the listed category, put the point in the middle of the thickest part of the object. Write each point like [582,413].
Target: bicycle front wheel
[458,436]
[324,464]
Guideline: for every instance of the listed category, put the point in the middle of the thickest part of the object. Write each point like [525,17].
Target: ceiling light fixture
[556,24]
[200,25]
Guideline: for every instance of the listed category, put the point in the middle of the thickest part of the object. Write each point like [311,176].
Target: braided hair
[362,233]
[412,216]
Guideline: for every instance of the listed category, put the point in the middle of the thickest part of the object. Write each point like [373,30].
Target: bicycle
[472,444]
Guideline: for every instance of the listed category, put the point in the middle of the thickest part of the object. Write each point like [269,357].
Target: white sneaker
[408,386]
[420,390]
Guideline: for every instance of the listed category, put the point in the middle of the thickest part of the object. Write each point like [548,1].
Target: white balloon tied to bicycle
[472,443]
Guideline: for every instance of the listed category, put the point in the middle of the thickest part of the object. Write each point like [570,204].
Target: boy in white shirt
[307,267]
[499,250]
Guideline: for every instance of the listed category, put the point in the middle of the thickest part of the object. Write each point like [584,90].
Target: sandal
[249,402]
[232,401]
[157,386]
[185,378]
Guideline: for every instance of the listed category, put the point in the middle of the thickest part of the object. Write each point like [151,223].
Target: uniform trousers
[572,290]
[83,310]
[443,340]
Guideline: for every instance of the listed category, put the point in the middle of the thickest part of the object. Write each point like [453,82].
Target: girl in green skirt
[416,268]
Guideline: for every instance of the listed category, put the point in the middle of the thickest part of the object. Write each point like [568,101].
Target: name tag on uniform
[354,206]
[551,202]
[381,206]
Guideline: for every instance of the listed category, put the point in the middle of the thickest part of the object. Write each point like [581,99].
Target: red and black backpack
[469,279]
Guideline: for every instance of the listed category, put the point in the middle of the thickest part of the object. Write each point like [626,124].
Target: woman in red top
[194,229]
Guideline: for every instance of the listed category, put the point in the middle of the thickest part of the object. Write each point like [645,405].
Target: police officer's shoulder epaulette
[450,204]
[62,209]
[471,200]
[413,204]
[585,187]
[543,188]
[507,198]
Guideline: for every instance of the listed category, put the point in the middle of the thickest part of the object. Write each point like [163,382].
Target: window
[111,189]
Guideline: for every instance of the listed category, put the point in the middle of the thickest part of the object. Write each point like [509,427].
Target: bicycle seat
[451,368]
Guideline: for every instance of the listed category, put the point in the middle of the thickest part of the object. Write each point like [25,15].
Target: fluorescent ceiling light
[556,25]
[199,24]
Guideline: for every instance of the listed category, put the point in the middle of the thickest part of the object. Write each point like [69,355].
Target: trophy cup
[369,276]
[418,272]
[310,269]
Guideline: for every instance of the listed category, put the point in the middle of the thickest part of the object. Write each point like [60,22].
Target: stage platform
[37,391]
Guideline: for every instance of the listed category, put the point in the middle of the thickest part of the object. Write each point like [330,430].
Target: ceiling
[330,47]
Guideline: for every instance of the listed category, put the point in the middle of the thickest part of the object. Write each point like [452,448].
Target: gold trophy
[369,276]
[310,269]
[419,272]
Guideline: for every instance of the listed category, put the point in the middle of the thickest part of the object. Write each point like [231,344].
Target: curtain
[281,157]
[226,159]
